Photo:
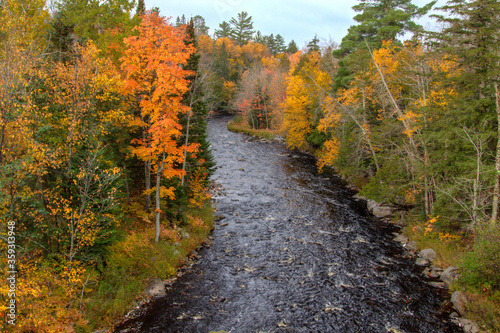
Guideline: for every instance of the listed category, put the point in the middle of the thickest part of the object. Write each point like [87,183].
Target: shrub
[482,265]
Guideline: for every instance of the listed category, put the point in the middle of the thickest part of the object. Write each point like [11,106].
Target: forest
[105,163]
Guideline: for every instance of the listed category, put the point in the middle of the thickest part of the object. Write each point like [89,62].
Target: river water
[293,252]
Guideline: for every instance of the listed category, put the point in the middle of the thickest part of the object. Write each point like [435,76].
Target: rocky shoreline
[440,277]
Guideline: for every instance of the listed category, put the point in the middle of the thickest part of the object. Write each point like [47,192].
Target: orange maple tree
[154,75]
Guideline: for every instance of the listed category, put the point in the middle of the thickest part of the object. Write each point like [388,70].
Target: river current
[292,252]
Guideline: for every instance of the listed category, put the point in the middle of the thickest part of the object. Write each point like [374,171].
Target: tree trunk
[494,210]
[372,150]
[186,142]
[158,206]
[2,142]
[147,168]
[127,189]
[147,174]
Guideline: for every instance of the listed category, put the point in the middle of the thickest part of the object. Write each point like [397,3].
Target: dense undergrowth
[136,258]
[91,296]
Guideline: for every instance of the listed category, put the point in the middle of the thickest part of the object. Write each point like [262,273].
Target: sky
[292,19]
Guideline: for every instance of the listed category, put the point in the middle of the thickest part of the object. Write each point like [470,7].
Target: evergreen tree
[271,43]
[194,123]
[471,36]
[242,28]
[60,37]
[141,7]
[222,62]
[259,38]
[313,45]
[292,47]
[280,44]
[224,30]
[378,20]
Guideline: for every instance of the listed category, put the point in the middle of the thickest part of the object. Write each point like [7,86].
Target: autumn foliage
[74,123]
[155,78]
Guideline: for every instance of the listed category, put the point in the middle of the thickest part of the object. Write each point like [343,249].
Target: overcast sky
[292,19]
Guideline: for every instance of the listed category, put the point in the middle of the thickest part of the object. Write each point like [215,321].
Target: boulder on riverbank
[459,301]
[155,288]
[422,262]
[468,325]
[450,275]
[379,210]
[428,254]
[411,246]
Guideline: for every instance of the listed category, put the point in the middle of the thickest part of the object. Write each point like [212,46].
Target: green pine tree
[242,28]
[259,38]
[270,42]
[280,44]
[141,7]
[313,45]
[224,30]
[292,47]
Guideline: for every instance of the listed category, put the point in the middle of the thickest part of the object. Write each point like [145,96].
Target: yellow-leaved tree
[303,106]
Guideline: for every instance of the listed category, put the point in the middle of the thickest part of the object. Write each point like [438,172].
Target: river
[292,252]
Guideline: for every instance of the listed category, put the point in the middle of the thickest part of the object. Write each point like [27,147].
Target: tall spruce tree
[313,45]
[292,47]
[270,42]
[141,7]
[242,28]
[259,38]
[60,36]
[280,44]
[224,30]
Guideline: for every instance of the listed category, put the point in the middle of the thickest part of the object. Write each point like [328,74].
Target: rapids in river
[292,252]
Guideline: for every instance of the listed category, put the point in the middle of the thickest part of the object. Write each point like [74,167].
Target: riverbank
[481,305]
[239,125]
[136,265]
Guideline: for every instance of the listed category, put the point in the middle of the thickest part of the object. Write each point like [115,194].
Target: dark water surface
[293,253]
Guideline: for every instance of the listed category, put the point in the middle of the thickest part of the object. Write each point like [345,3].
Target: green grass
[239,125]
[450,249]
